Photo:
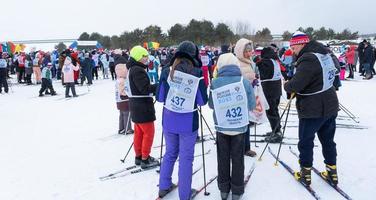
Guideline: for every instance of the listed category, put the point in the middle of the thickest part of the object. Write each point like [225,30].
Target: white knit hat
[227,59]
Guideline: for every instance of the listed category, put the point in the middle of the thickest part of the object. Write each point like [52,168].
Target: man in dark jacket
[140,93]
[360,50]
[368,61]
[86,66]
[317,105]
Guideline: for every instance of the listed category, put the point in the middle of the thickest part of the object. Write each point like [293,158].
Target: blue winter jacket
[226,75]
[181,122]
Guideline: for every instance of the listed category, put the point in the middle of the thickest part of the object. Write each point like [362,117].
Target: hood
[229,70]
[132,62]
[239,49]
[313,47]
[268,53]
[67,61]
[119,59]
[184,66]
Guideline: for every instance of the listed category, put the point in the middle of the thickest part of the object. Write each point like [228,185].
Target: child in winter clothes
[47,80]
[140,93]
[231,98]
[122,100]
[68,70]
[181,89]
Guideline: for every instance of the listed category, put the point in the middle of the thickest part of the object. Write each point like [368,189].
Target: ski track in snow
[58,149]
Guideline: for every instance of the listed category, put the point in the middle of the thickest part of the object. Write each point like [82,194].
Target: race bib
[231,105]
[181,96]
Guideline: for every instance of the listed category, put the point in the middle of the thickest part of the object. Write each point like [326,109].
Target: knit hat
[189,50]
[227,59]
[299,38]
[138,52]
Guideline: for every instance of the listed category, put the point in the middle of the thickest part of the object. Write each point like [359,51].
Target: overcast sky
[63,19]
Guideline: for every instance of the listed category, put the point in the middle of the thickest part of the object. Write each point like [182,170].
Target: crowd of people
[234,81]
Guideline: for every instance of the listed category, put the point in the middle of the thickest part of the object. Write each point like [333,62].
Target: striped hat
[299,38]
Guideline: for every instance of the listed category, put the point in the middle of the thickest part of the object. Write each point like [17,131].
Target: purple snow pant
[182,145]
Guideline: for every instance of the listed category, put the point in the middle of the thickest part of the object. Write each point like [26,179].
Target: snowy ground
[52,148]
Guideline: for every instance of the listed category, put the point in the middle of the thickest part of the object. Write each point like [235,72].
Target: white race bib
[205,60]
[277,72]
[128,90]
[328,72]
[231,105]
[181,96]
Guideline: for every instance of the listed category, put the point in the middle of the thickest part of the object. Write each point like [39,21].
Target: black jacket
[142,109]
[368,55]
[308,79]
[272,89]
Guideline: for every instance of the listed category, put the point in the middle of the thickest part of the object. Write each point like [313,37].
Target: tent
[81,43]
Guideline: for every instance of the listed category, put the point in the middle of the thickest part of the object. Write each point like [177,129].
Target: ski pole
[279,121]
[122,160]
[207,125]
[160,155]
[255,136]
[203,155]
[351,115]
[347,110]
[283,133]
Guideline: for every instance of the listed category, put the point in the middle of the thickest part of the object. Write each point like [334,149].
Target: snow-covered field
[52,148]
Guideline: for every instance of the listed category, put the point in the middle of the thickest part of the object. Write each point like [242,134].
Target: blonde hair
[177,61]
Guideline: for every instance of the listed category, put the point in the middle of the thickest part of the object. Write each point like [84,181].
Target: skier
[243,51]
[3,73]
[68,71]
[122,100]
[270,71]
[47,80]
[317,105]
[140,93]
[181,89]
[230,136]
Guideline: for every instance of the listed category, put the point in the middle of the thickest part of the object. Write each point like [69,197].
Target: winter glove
[255,83]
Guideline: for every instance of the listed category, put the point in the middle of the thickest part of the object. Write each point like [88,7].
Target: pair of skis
[307,187]
[134,169]
[197,191]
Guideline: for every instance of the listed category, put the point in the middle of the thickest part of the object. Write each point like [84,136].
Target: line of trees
[324,34]
[206,33]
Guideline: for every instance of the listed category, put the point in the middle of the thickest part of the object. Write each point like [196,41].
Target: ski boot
[224,195]
[274,138]
[236,196]
[304,176]
[163,193]
[150,162]
[129,131]
[250,153]
[331,174]
[137,160]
